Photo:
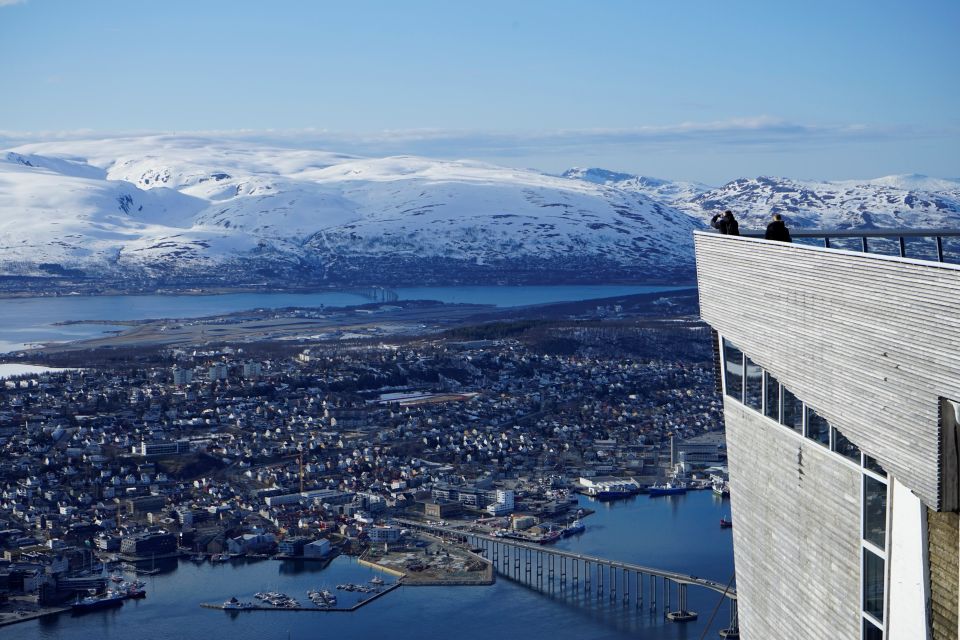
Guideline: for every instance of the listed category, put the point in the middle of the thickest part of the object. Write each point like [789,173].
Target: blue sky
[706,90]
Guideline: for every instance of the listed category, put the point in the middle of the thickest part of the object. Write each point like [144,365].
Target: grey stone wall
[796,514]
[870,342]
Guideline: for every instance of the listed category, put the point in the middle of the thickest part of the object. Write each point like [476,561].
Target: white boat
[575,527]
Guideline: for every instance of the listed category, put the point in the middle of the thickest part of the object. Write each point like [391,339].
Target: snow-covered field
[13,370]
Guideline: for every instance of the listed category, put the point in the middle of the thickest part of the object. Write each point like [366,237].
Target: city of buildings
[307,451]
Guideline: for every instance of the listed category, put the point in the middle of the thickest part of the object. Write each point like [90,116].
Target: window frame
[858,462]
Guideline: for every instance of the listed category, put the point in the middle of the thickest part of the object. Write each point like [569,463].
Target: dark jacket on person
[777,230]
[726,224]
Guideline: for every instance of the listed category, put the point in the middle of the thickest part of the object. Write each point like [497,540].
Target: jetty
[315,609]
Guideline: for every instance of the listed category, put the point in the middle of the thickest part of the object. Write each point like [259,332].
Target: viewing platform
[939,245]
[857,327]
[838,357]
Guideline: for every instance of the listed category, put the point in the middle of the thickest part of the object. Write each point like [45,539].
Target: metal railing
[897,237]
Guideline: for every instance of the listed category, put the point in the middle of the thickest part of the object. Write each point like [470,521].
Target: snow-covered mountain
[182,211]
[671,192]
[907,201]
[911,202]
[176,209]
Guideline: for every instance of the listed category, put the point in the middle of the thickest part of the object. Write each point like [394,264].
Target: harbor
[678,533]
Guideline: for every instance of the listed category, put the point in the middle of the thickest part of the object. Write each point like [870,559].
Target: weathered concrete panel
[871,342]
[796,514]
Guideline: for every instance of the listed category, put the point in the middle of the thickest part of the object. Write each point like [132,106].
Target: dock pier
[258,607]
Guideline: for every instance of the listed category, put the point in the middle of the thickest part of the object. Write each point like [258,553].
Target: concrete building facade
[841,376]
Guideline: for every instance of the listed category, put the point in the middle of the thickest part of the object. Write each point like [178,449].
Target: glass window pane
[874,511]
[818,429]
[870,631]
[873,584]
[792,411]
[733,370]
[844,447]
[772,392]
[753,396]
[874,466]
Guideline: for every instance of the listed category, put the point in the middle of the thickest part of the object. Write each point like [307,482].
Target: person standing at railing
[726,223]
[777,230]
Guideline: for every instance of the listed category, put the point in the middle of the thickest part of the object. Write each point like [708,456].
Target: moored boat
[667,489]
[550,537]
[574,528]
[95,602]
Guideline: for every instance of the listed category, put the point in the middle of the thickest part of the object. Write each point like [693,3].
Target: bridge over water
[537,565]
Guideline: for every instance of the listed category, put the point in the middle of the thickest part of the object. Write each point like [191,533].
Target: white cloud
[710,151]
[758,131]
[744,133]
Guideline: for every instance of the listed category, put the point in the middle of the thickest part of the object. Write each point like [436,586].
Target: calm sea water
[680,533]
[31,320]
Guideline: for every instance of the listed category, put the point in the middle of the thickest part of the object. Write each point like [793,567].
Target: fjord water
[32,320]
[679,533]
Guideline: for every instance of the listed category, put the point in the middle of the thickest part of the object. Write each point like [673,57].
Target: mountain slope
[674,193]
[908,201]
[182,210]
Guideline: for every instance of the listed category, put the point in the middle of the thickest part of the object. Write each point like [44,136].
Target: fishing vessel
[667,489]
[134,590]
[550,536]
[574,528]
[721,488]
[95,602]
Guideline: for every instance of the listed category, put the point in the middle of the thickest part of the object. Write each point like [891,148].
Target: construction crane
[299,459]
[300,463]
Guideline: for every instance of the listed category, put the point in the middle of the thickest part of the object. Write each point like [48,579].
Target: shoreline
[13,618]
[220,291]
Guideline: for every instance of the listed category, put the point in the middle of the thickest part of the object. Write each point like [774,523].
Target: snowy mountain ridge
[188,211]
[183,209]
[900,201]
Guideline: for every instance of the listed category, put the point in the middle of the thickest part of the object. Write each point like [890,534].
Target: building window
[771,392]
[871,631]
[844,447]
[753,394]
[818,429]
[733,370]
[874,511]
[748,383]
[873,465]
[792,412]
[872,577]
[873,584]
